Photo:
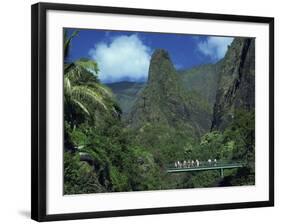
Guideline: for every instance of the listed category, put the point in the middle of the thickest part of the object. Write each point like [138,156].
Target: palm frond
[103,90]
[84,93]
[67,41]
[76,73]
[84,109]
[89,65]
[67,86]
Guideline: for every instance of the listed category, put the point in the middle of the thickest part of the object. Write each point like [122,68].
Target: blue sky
[125,56]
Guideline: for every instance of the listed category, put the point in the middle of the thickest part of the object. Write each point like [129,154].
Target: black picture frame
[39,108]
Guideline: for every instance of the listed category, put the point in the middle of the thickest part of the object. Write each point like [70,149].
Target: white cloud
[214,47]
[124,58]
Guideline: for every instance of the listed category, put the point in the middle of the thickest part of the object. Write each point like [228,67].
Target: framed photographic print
[138,111]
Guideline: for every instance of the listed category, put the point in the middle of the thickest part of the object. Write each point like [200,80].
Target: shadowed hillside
[203,80]
[126,94]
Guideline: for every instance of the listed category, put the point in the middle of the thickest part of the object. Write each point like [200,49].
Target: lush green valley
[123,136]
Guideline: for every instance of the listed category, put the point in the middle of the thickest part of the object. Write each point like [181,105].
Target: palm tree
[84,95]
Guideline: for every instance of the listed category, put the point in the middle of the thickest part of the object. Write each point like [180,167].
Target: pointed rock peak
[160,54]
[161,67]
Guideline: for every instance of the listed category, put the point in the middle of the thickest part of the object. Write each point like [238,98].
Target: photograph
[139,111]
[152,111]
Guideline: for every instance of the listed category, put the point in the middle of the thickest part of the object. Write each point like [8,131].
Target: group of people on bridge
[194,163]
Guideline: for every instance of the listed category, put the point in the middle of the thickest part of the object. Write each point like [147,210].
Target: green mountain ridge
[165,101]
[126,93]
[203,80]
[200,82]
[234,109]
[236,83]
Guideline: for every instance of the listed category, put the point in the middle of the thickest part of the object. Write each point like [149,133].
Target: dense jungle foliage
[109,150]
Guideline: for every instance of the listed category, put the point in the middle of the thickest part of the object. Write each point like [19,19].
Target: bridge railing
[203,164]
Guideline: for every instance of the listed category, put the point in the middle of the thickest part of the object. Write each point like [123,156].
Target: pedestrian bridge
[218,166]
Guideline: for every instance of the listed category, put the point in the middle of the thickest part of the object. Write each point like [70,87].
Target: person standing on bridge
[176,165]
[188,163]
[209,162]
[184,164]
[197,163]
[215,162]
[192,163]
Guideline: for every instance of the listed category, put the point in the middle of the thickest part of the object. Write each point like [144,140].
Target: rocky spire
[161,68]
[164,101]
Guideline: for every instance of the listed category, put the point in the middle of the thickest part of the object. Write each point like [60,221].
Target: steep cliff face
[165,101]
[202,79]
[236,87]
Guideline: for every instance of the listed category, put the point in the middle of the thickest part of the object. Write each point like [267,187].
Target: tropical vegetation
[109,150]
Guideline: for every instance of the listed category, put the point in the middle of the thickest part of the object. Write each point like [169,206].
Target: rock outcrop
[236,87]
[165,101]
